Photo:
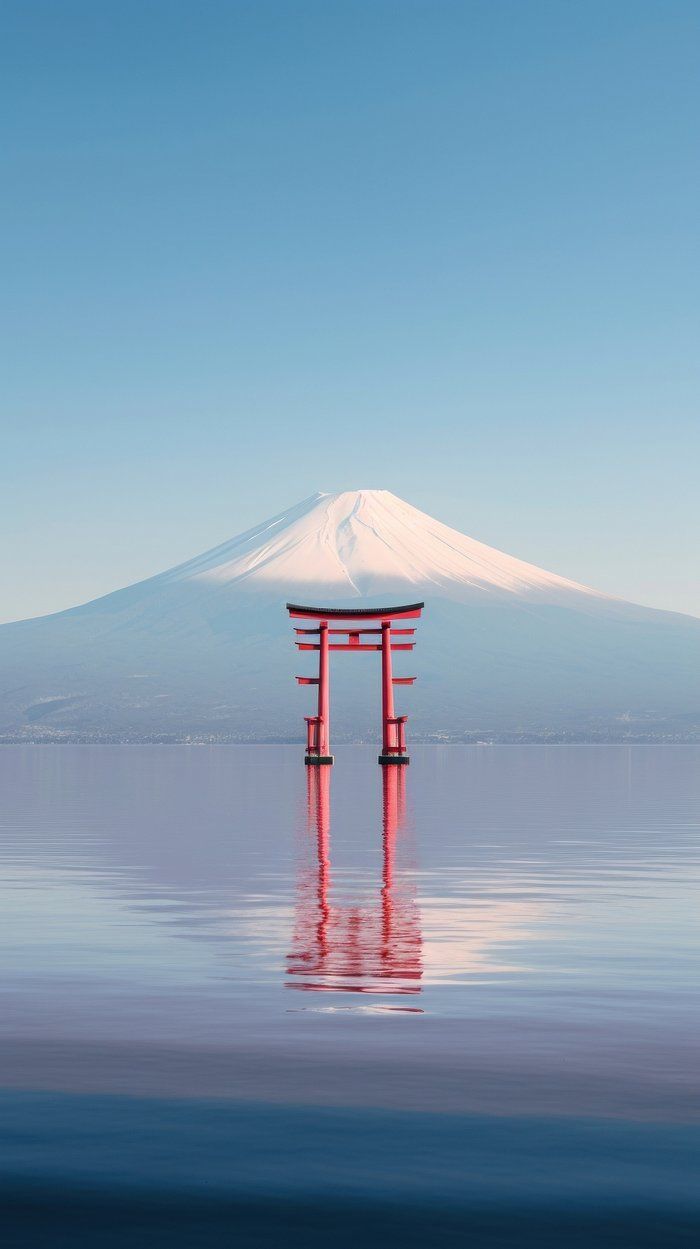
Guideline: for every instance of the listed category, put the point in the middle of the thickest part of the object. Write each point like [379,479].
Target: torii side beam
[318,726]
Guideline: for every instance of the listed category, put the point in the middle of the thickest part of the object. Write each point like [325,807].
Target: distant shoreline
[691,738]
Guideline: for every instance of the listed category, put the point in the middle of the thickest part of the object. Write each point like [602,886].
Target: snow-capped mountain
[366,542]
[206,647]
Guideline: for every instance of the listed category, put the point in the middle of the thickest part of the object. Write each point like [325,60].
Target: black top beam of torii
[350,613]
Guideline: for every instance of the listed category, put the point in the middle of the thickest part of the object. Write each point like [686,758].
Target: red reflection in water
[369,947]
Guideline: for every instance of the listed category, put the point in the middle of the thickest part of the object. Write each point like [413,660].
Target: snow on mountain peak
[360,543]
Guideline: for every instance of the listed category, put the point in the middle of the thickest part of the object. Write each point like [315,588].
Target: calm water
[246,1002]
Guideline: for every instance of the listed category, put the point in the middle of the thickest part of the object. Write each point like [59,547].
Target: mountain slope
[206,648]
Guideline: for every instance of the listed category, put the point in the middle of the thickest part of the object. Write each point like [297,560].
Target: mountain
[504,649]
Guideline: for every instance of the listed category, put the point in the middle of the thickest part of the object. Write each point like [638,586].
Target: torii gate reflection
[373,946]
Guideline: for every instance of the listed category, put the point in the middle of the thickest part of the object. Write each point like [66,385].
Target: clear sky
[256,248]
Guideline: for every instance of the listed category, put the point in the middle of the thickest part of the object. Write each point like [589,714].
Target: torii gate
[318,726]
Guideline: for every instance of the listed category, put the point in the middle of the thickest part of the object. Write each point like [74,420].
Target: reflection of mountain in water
[366,947]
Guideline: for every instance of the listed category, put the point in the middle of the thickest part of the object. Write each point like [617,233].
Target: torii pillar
[323,754]
[393,727]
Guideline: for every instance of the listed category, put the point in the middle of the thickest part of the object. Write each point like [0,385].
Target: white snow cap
[361,543]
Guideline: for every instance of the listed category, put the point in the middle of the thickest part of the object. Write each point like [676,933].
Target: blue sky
[256,249]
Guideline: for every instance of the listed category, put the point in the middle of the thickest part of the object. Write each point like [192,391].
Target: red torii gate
[318,726]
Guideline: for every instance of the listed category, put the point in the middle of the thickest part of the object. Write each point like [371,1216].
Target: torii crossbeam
[318,726]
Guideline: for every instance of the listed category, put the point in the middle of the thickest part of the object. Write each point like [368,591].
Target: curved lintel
[355,613]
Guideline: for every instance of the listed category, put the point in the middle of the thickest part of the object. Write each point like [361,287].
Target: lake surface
[250,1003]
